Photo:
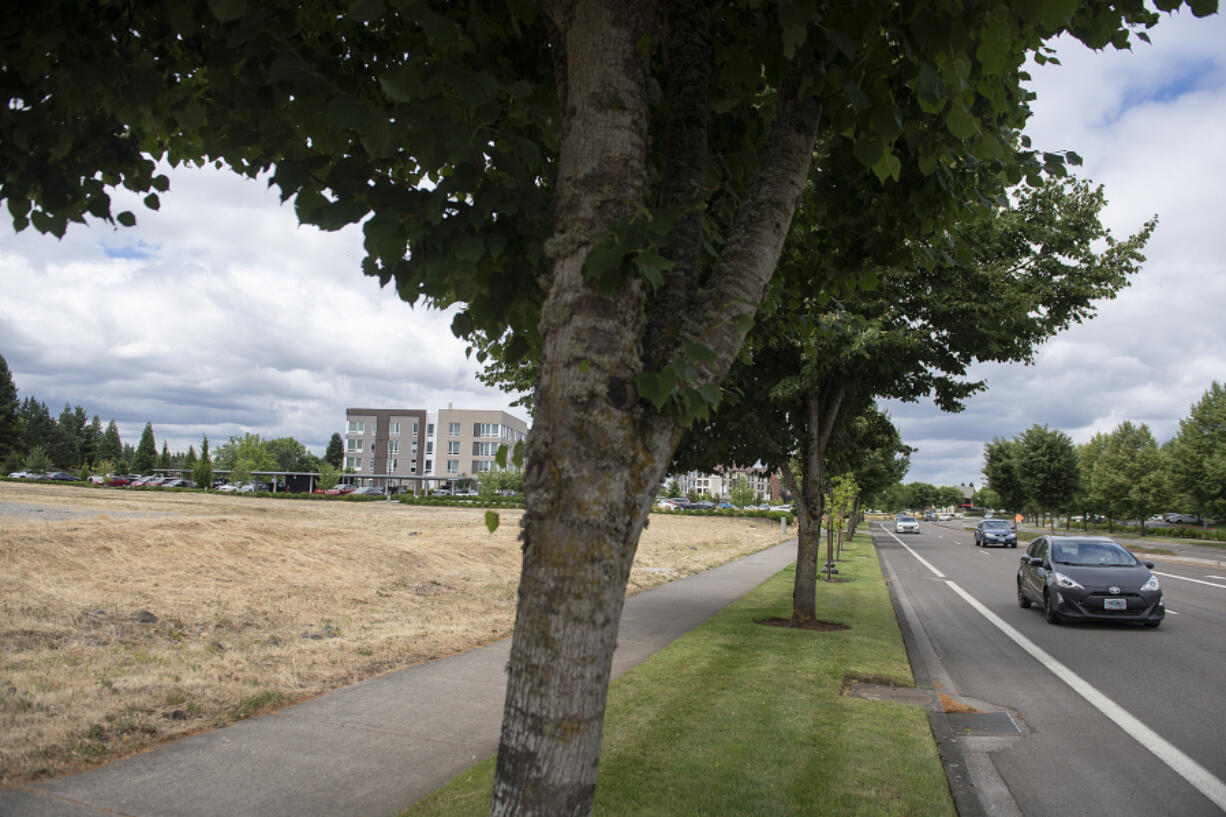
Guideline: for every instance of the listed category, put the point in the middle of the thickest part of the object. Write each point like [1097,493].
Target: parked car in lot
[1183,519]
[368,490]
[21,475]
[59,476]
[179,482]
[945,517]
[118,482]
[929,516]
[995,532]
[1088,578]
[905,524]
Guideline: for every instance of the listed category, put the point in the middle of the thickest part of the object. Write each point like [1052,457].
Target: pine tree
[202,473]
[146,455]
[164,459]
[110,447]
[335,454]
[38,428]
[11,445]
[91,439]
[66,443]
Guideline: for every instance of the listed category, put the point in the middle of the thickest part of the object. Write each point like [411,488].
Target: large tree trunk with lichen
[597,452]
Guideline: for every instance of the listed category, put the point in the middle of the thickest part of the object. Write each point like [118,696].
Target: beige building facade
[393,446]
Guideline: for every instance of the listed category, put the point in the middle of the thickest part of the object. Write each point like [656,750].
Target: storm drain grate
[982,723]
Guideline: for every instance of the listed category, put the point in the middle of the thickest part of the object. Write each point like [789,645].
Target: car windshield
[1092,554]
[996,525]
[906,519]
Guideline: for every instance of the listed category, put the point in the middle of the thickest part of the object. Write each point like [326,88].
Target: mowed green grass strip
[736,718]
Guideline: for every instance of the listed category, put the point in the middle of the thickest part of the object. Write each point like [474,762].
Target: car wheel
[1023,600]
[1049,610]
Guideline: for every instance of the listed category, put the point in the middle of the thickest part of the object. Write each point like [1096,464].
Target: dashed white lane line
[1186,579]
[1197,775]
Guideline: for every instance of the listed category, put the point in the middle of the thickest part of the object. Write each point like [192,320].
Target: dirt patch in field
[142,617]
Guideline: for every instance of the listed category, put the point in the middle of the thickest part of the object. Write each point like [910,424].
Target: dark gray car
[995,532]
[1090,578]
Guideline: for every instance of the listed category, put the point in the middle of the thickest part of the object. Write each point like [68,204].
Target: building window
[486,429]
[392,466]
[453,429]
[353,462]
[453,466]
[393,429]
[393,446]
[453,447]
[415,427]
[357,427]
[429,448]
[482,466]
[486,449]
[429,429]
[353,445]
[413,450]
[429,466]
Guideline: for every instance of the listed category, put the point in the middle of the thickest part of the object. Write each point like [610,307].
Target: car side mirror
[1036,561]
[1150,565]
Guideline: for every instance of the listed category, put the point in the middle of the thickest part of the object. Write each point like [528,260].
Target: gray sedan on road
[995,532]
[1089,578]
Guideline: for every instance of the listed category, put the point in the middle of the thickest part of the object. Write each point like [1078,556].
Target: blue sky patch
[138,250]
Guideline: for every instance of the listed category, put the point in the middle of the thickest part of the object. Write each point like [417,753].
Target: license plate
[1115,604]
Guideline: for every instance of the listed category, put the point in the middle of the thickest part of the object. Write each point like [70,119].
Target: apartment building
[466,441]
[383,444]
[719,483]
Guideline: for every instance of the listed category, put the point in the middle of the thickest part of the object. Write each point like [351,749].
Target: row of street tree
[1121,475]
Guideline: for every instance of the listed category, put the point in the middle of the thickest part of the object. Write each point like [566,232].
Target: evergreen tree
[126,457]
[335,454]
[164,459]
[110,447]
[38,427]
[202,473]
[91,439]
[11,441]
[38,462]
[189,460]
[66,446]
[145,458]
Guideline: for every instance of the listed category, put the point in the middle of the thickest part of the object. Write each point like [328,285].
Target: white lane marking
[1220,578]
[1186,579]
[1183,765]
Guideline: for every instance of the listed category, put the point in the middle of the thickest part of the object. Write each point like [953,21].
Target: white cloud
[219,314]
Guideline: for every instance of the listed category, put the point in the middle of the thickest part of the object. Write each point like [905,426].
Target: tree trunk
[597,452]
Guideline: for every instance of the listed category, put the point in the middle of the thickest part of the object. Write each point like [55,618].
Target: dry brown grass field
[130,618]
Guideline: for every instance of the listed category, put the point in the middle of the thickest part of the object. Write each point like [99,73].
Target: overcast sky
[218,314]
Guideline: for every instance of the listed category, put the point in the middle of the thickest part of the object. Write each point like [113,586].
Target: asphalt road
[1079,719]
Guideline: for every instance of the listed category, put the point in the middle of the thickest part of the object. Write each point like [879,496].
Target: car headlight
[1066,582]
[1150,585]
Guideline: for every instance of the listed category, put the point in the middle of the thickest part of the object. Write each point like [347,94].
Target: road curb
[961,788]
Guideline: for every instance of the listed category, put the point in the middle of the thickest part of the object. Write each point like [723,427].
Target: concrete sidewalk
[370,749]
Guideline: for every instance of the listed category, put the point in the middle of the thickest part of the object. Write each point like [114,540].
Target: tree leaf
[699,352]
[126,218]
[491,520]
[961,123]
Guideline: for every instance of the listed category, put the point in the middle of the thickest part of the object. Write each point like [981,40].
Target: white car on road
[905,524]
